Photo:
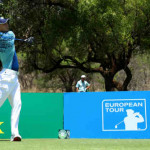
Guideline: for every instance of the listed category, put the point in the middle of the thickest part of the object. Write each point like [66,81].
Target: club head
[116,127]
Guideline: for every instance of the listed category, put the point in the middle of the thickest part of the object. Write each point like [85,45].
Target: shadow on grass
[4,140]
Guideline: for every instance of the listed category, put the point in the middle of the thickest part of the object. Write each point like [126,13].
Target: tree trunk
[128,78]
[68,88]
[109,85]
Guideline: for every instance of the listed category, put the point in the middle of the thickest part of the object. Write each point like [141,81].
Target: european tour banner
[113,115]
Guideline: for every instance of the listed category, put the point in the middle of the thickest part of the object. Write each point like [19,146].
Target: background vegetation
[109,41]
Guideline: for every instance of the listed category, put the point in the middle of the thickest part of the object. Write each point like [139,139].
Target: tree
[97,36]
[64,79]
[93,36]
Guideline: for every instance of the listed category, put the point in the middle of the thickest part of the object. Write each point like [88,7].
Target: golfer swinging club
[9,84]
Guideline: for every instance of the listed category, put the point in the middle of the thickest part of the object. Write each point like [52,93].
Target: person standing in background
[82,85]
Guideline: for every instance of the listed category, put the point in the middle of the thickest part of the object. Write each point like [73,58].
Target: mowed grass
[75,144]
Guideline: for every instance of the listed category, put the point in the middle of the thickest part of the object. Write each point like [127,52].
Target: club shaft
[119,122]
[19,39]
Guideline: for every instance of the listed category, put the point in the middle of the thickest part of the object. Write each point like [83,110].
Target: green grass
[75,144]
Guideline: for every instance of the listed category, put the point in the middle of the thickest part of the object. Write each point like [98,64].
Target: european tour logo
[124,115]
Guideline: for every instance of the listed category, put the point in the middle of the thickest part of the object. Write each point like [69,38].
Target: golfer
[9,84]
[82,85]
[132,120]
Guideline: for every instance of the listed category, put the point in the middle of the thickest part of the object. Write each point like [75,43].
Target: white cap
[83,76]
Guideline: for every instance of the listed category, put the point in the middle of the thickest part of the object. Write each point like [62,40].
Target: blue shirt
[8,55]
[82,85]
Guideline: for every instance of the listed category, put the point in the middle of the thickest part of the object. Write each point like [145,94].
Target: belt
[9,71]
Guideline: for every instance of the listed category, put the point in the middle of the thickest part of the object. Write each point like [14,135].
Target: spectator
[82,85]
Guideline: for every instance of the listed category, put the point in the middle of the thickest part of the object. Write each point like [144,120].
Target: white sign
[124,115]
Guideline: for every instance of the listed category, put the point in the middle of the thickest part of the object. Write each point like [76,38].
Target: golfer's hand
[137,114]
[29,40]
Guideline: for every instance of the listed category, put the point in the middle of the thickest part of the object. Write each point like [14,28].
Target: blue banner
[122,115]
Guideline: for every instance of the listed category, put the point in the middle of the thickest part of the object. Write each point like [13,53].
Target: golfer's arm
[141,119]
[77,90]
[88,87]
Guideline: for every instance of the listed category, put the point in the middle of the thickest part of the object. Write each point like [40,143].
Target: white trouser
[10,88]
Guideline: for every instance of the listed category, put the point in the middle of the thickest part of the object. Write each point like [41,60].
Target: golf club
[116,126]
[28,40]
